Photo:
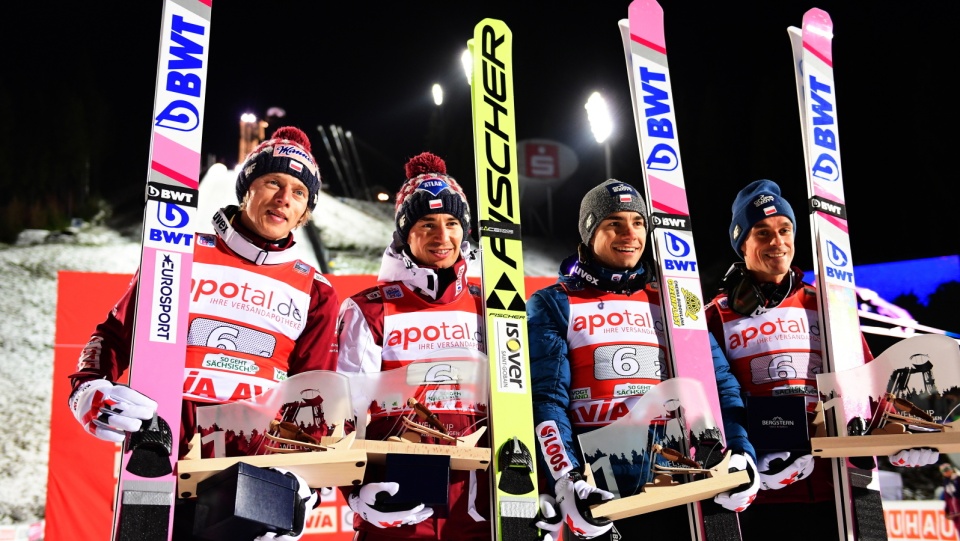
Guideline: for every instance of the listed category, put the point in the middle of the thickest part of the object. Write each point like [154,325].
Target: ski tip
[646,23]
[818,34]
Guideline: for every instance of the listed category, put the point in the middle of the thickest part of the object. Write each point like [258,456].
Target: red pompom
[293,134]
[425,162]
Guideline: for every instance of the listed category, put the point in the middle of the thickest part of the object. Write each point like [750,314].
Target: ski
[859,511]
[510,412]
[685,326]
[146,489]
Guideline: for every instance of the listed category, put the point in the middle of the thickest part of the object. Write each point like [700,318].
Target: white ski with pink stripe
[144,505]
[672,233]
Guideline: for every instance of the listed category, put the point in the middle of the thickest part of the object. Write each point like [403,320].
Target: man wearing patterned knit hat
[765,289]
[422,286]
[277,188]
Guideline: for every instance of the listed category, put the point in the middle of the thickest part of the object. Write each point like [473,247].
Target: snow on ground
[354,232]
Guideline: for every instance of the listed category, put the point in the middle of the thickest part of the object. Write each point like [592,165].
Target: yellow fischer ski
[510,413]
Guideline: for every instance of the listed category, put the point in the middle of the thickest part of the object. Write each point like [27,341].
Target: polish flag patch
[769,210]
[626,198]
[296,166]
[436,204]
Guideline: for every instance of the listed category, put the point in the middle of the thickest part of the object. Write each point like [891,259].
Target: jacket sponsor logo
[244,296]
[233,364]
[210,386]
[439,335]
[778,325]
[392,292]
[598,322]
[552,448]
[599,412]
[207,240]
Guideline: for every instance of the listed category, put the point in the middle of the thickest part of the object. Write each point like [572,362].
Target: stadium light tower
[600,124]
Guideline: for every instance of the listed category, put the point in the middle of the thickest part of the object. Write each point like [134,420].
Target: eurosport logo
[166,293]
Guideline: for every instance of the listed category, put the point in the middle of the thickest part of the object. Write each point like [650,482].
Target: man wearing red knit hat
[422,288]
[277,188]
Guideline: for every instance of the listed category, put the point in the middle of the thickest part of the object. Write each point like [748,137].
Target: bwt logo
[171,195]
[839,258]
[172,216]
[825,166]
[679,248]
[662,156]
[185,55]
[676,245]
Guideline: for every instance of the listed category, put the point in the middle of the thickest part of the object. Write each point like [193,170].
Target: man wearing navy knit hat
[763,291]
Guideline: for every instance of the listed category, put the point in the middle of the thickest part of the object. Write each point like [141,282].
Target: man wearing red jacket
[422,304]
[766,321]
[240,275]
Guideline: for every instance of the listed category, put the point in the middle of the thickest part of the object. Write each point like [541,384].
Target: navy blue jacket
[547,322]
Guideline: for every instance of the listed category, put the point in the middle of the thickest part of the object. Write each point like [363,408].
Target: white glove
[740,497]
[307,500]
[367,503]
[778,470]
[549,518]
[109,411]
[572,507]
[914,458]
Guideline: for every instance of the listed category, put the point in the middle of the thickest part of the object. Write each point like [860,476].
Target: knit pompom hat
[429,190]
[287,151]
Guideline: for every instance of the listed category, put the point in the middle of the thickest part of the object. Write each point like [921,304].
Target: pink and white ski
[859,511]
[682,298]
[146,489]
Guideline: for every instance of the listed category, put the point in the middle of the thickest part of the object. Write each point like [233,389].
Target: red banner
[81,482]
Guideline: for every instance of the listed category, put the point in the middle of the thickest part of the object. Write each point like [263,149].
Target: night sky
[368,68]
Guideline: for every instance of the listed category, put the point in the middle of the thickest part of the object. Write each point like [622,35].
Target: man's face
[435,239]
[619,239]
[275,204]
[768,248]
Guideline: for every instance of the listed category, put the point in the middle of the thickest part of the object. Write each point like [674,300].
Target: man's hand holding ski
[914,458]
[108,410]
[572,507]
[778,470]
[369,503]
[741,497]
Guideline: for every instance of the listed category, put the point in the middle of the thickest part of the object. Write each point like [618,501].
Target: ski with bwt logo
[147,483]
[859,511]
